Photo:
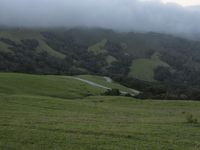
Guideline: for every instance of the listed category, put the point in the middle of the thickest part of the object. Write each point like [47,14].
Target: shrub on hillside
[112,92]
[191,119]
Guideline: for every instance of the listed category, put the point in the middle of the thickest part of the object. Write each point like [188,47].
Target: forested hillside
[162,66]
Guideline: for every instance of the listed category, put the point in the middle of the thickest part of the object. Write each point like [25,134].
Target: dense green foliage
[112,92]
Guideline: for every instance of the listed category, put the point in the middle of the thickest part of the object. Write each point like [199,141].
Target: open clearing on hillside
[98,48]
[143,68]
[54,112]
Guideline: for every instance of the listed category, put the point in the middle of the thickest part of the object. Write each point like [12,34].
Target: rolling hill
[53,86]
[71,87]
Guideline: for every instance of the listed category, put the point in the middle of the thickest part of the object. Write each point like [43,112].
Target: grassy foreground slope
[53,86]
[52,112]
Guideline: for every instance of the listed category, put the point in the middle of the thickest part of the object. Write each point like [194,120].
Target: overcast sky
[172,16]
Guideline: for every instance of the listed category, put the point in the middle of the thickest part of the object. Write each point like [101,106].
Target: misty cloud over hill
[125,15]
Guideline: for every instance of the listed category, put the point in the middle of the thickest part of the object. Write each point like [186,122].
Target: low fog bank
[120,15]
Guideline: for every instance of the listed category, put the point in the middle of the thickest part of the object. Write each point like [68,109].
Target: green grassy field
[53,86]
[53,112]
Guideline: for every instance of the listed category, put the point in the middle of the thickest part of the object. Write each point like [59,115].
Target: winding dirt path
[135,92]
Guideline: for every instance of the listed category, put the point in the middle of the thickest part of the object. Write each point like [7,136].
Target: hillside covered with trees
[161,66]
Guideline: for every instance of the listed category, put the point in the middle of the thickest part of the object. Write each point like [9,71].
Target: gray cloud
[126,15]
